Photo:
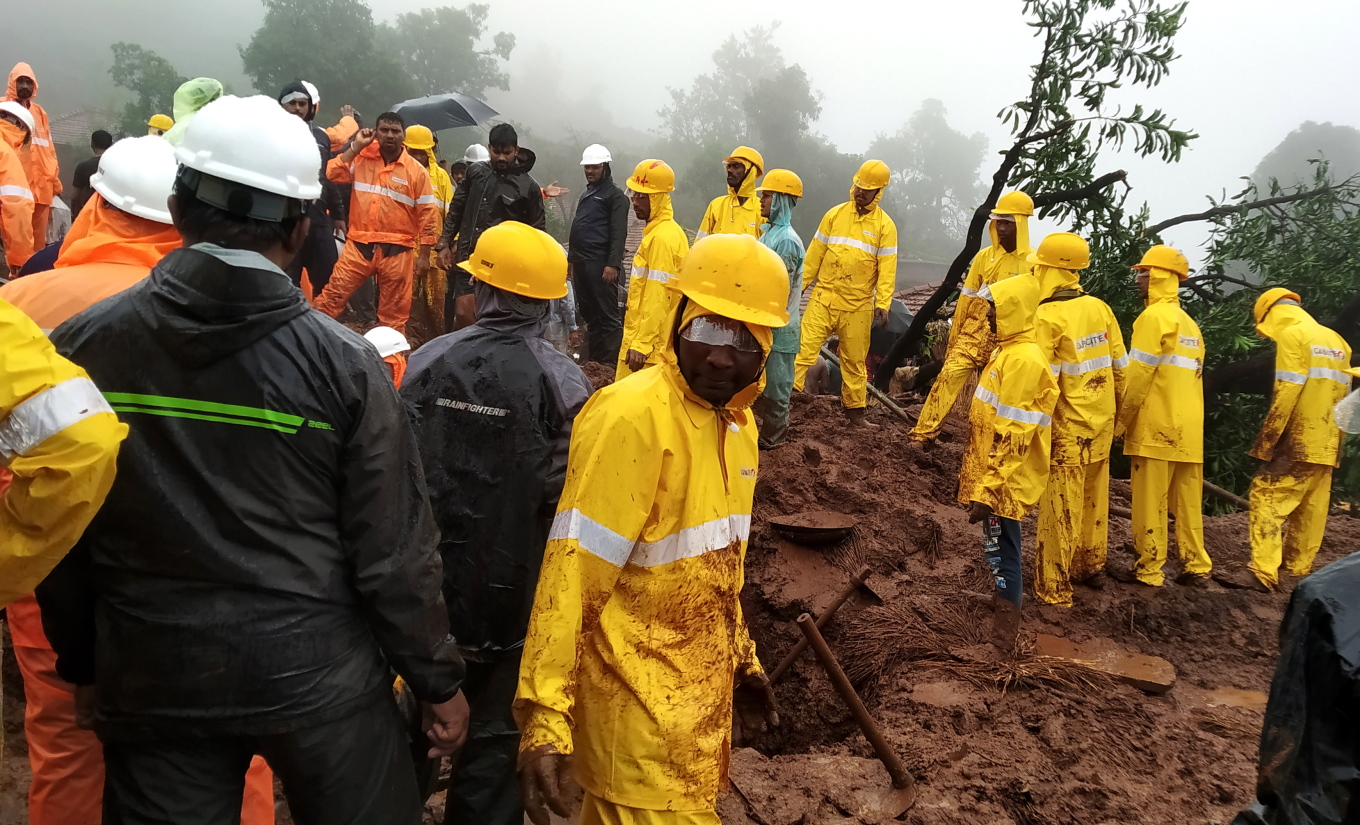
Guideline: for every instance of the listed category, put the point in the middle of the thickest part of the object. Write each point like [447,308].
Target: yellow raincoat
[1299,441]
[1080,337]
[1006,463]
[650,302]
[1162,421]
[852,262]
[427,304]
[970,339]
[59,441]
[729,215]
[637,635]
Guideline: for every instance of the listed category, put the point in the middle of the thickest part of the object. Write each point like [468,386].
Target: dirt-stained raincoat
[650,301]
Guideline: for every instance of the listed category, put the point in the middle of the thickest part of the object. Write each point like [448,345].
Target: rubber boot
[1005,624]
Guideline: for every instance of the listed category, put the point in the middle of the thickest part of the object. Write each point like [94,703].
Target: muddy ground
[1062,751]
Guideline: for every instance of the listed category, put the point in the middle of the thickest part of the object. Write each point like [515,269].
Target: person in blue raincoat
[778,196]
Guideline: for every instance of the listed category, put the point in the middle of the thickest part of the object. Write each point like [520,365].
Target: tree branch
[1090,190]
[1222,211]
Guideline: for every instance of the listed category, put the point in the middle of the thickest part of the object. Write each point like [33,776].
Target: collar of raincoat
[747,189]
[1017,300]
[105,235]
[781,209]
[20,70]
[1281,317]
[1164,287]
[662,210]
[1052,279]
[734,409]
[872,206]
[1021,235]
[504,311]
[13,135]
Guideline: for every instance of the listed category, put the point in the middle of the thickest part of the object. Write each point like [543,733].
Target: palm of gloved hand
[547,783]
[753,707]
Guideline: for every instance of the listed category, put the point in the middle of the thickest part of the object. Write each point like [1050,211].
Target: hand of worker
[977,511]
[446,725]
[552,190]
[546,783]
[422,266]
[445,257]
[361,140]
[347,111]
[635,360]
[341,229]
[85,701]
[753,706]
[611,274]
[880,317]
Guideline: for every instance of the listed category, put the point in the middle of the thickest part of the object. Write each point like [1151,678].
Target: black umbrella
[448,111]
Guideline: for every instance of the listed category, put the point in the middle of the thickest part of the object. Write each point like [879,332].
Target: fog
[1250,71]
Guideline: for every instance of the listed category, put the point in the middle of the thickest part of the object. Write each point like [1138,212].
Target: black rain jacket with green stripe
[268,547]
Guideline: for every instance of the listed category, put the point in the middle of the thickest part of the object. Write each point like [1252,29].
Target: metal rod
[900,777]
[841,598]
[879,394]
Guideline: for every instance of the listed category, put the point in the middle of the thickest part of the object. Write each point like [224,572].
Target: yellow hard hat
[738,277]
[782,180]
[162,122]
[1014,203]
[1063,250]
[749,155]
[873,174]
[419,137]
[1270,298]
[518,258]
[652,177]
[1165,257]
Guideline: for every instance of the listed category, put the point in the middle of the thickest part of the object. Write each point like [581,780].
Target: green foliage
[439,50]
[714,107]
[1290,162]
[150,77]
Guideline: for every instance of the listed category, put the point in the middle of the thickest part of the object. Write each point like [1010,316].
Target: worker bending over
[970,341]
[737,212]
[637,641]
[1079,337]
[779,195]
[853,264]
[1162,422]
[1299,444]
[663,247]
[1005,467]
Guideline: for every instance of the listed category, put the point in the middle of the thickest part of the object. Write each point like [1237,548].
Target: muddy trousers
[392,265]
[355,770]
[484,787]
[1160,487]
[1288,517]
[1001,551]
[772,407]
[960,364]
[428,294]
[1073,529]
[852,327]
[597,811]
[599,305]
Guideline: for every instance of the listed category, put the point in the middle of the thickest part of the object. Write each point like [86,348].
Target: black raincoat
[486,198]
[268,549]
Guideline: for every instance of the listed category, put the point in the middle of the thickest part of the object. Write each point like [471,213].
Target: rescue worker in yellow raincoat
[58,443]
[427,304]
[737,212]
[853,263]
[664,245]
[1162,422]
[637,653]
[1080,337]
[1005,467]
[1299,444]
[970,341]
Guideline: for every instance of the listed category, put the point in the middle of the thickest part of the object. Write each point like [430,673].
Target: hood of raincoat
[662,210]
[747,189]
[1052,278]
[685,312]
[781,209]
[874,204]
[1279,318]
[103,234]
[295,86]
[13,135]
[1164,287]
[1021,233]
[12,88]
[504,311]
[1017,301]
[190,97]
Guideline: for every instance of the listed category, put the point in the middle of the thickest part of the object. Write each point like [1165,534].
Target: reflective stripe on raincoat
[391,202]
[727,215]
[637,633]
[16,199]
[780,237]
[969,331]
[650,301]
[1310,378]
[1162,413]
[853,258]
[40,163]
[1006,463]
[1080,338]
[59,439]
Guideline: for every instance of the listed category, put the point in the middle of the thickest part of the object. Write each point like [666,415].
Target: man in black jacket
[596,254]
[493,406]
[318,255]
[490,193]
[268,552]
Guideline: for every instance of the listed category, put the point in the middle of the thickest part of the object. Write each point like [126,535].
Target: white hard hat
[312,92]
[476,153]
[595,153]
[137,175]
[25,116]
[252,142]
[387,341]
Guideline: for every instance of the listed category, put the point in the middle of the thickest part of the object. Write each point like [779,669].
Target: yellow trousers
[852,327]
[959,365]
[1296,501]
[1159,486]
[1073,529]
[597,811]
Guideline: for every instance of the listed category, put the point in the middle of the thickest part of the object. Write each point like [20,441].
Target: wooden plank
[1150,673]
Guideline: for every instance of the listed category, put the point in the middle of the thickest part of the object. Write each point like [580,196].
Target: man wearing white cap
[595,251]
